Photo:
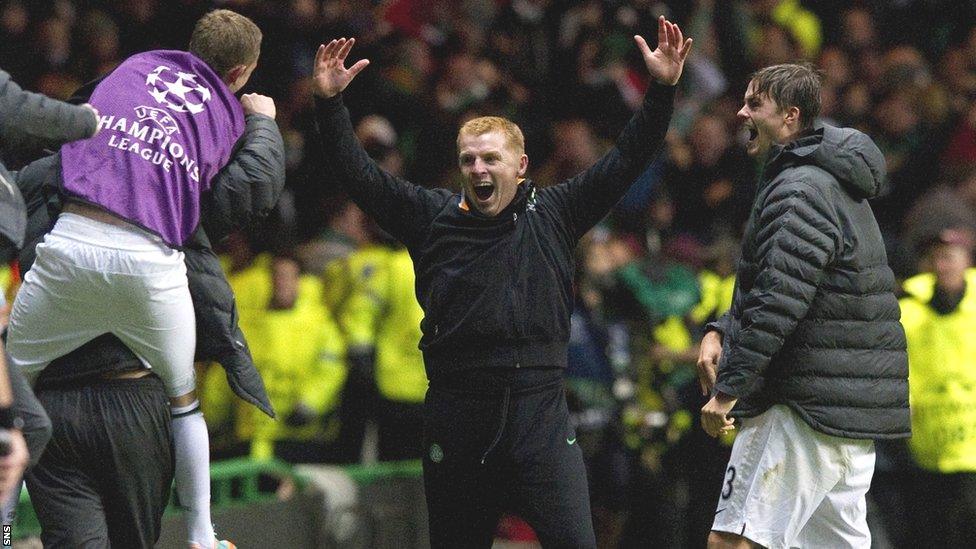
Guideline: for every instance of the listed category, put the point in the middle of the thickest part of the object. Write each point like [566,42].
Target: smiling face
[766,122]
[491,168]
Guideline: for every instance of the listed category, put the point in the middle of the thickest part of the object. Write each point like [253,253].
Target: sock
[192,452]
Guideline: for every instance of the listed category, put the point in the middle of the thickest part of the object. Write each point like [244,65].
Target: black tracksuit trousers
[503,443]
[105,477]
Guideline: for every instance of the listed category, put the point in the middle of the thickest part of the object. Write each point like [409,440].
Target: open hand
[330,76]
[665,63]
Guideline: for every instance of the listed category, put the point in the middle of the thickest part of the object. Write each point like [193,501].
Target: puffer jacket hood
[847,154]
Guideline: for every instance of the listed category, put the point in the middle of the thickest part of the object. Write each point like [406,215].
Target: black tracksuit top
[496,291]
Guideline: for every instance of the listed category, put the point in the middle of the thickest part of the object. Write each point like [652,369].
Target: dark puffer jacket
[814,322]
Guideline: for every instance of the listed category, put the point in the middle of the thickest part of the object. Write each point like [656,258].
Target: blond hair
[225,39]
[486,124]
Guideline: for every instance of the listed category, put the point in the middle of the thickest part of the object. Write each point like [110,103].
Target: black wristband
[8,420]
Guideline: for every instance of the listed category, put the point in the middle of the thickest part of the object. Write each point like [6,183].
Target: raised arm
[402,209]
[31,120]
[588,197]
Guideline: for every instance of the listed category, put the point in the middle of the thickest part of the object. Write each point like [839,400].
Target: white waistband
[90,231]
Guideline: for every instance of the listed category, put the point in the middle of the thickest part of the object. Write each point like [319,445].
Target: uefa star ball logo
[177,90]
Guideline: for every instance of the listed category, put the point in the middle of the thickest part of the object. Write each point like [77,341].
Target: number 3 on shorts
[729,477]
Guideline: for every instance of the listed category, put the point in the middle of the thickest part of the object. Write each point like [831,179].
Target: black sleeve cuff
[328,104]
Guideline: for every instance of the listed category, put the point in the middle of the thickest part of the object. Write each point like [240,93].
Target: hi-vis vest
[400,373]
[299,352]
[716,296]
[376,306]
[942,377]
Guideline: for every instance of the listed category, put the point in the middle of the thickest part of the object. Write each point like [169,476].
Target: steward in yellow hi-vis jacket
[252,289]
[251,285]
[355,287]
[378,313]
[299,351]
[939,316]
[941,347]
[400,375]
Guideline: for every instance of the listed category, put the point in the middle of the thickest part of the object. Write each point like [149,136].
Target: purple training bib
[167,124]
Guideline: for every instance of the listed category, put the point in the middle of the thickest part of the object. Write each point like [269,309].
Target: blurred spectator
[801,26]
[939,315]
[15,56]
[100,35]
[521,38]
[575,148]
[346,231]
[298,350]
[356,286]
[710,181]
[401,379]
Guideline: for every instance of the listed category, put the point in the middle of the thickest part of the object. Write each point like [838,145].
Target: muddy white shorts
[788,485]
[92,278]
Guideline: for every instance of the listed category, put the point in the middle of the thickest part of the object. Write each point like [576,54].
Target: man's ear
[793,115]
[234,74]
[523,165]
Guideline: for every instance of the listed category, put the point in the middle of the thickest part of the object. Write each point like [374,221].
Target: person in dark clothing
[79,500]
[127,215]
[811,357]
[27,121]
[494,271]
[92,487]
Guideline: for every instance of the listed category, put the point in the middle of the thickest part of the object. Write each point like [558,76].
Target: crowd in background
[326,299]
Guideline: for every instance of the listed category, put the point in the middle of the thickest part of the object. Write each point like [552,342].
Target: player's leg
[778,474]
[549,477]
[841,519]
[135,500]
[161,331]
[462,493]
[60,305]
[64,492]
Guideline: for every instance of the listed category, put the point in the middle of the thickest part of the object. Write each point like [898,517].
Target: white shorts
[788,485]
[92,278]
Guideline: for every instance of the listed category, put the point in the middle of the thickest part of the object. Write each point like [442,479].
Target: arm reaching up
[668,59]
[402,209]
[589,196]
[330,75]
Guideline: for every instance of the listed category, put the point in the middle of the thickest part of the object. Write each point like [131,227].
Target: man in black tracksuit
[494,274]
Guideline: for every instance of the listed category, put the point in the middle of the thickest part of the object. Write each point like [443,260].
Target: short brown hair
[225,39]
[791,85]
[485,124]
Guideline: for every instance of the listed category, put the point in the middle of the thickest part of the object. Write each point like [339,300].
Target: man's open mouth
[484,190]
[753,133]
